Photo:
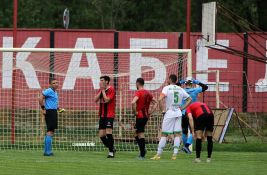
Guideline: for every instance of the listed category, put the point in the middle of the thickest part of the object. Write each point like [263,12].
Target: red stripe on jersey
[108,109]
[143,103]
[197,109]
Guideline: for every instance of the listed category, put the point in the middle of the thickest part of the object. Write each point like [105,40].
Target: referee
[49,104]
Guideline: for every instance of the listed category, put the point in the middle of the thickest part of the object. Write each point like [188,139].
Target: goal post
[78,72]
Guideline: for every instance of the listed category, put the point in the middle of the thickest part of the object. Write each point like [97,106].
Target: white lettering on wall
[261,85]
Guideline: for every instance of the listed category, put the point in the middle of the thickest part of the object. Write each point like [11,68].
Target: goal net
[22,125]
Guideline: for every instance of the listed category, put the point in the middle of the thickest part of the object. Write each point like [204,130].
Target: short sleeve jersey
[108,109]
[51,98]
[174,96]
[143,103]
[197,109]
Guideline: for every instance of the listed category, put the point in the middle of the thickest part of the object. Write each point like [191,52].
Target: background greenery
[129,15]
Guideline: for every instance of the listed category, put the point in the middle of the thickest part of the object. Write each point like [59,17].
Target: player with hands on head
[106,98]
[193,92]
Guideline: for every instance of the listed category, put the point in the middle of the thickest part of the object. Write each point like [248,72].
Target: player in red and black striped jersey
[201,119]
[142,111]
[106,97]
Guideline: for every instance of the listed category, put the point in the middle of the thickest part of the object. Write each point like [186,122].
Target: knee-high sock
[176,145]
[209,146]
[136,139]
[162,144]
[110,142]
[189,139]
[48,144]
[142,146]
[184,138]
[198,147]
[104,140]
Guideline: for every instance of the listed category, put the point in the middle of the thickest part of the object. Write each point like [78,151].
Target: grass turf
[76,163]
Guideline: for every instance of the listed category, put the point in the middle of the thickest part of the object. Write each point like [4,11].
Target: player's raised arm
[202,85]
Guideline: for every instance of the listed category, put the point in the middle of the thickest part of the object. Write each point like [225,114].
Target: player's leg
[109,129]
[184,129]
[209,130]
[187,138]
[167,128]
[140,130]
[51,123]
[102,131]
[199,128]
[177,136]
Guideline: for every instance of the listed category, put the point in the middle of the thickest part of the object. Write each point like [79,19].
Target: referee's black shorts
[51,119]
[140,124]
[204,122]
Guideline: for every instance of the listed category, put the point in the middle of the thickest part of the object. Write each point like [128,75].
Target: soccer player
[141,110]
[106,98]
[171,124]
[193,92]
[49,104]
[201,119]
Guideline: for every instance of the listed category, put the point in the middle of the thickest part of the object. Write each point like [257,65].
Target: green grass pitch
[13,162]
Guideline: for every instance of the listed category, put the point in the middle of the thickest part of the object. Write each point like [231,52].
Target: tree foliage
[131,15]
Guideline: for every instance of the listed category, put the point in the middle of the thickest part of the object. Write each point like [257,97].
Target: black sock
[142,147]
[136,139]
[209,146]
[187,145]
[198,147]
[104,140]
[110,142]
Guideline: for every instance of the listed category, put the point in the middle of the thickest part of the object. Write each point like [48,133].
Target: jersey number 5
[176,97]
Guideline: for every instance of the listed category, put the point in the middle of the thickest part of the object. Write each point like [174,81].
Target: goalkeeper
[49,104]
[193,92]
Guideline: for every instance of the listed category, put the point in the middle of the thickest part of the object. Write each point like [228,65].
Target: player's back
[193,92]
[143,102]
[198,108]
[174,96]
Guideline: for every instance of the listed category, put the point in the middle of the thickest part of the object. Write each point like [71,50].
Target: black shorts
[204,122]
[185,124]
[140,124]
[51,119]
[105,123]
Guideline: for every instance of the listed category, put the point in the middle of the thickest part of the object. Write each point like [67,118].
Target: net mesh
[23,127]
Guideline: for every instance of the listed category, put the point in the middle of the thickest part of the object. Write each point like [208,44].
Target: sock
[176,145]
[136,139]
[45,145]
[104,140]
[142,146]
[184,138]
[189,139]
[198,147]
[209,146]
[162,144]
[48,144]
[110,142]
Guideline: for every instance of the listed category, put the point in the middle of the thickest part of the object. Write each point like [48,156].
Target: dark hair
[106,78]
[173,78]
[51,80]
[141,81]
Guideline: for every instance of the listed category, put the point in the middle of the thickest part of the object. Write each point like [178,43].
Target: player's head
[104,81]
[172,79]
[140,83]
[189,82]
[53,83]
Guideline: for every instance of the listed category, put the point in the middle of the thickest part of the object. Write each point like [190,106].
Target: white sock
[162,144]
[176,145]
[110,153]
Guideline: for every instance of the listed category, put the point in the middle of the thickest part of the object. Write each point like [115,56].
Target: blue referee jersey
[51,99]
[193,93]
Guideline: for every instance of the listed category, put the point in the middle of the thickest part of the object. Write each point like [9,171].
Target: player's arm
[98,96]
[153,107]
[188,100]
[202,85]
[191,122]
[41,103]
[160,100]
[109,97]
[134,104]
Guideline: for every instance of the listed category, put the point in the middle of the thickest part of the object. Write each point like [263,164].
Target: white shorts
[172,123]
